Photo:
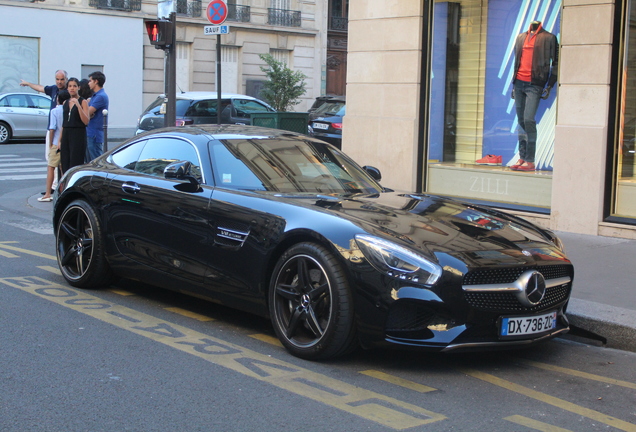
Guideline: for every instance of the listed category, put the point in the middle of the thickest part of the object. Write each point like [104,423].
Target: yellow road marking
[8,254]
[372,406]
[535,424]
[4,245]
[267,339]
[579,374]
[189,314]
[120,292]
[51,269]
[398,381]
[551,400]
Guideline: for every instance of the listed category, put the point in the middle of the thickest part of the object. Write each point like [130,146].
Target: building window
[124,5]
[477,132]
[236,12]
[190,8]
[280,13]
[338,15]
[624,187]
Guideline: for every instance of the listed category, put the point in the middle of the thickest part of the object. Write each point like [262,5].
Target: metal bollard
[105,113]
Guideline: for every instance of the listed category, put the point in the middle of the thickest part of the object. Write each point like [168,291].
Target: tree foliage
[283,87]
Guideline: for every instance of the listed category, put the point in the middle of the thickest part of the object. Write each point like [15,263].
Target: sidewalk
[603,298]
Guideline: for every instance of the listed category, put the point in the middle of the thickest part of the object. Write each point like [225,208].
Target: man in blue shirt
[61,77]
[95,128]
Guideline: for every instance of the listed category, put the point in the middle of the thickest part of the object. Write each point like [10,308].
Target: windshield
[287,165]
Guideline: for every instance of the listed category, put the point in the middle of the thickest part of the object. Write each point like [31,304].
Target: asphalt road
[137,358]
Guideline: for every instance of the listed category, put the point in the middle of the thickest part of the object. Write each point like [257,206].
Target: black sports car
[286,226]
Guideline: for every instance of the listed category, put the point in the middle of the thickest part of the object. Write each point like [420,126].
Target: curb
[616,325]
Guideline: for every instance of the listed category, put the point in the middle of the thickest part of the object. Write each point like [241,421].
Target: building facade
[80,36]
[429,95]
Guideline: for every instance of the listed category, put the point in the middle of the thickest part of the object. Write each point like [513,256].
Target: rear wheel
[80,247]
[5,133]
[311,305]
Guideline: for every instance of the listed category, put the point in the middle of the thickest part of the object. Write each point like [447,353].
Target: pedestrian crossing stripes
[15,167]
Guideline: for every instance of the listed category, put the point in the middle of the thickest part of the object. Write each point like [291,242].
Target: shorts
[54,157]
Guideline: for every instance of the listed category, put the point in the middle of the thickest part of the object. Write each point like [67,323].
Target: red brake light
[336,125]
[183,122]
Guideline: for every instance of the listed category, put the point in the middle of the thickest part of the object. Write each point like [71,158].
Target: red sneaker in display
[489,160]
[528,166]
[517,165]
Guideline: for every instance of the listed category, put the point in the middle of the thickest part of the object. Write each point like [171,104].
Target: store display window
[624,187]
[493,95]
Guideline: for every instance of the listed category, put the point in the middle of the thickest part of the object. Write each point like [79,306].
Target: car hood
[440,226]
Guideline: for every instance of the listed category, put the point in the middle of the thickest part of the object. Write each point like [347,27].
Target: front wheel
[310,303]
[80,247]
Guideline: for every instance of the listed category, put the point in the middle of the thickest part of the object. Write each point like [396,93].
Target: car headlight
[397,261]
[556,240]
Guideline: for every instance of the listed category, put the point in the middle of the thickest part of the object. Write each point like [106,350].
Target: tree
[283,87]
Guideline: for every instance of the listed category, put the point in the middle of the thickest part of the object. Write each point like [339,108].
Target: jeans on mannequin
[527,97]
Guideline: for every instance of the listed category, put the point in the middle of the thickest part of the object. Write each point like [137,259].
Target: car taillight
[183,122]
[336,125]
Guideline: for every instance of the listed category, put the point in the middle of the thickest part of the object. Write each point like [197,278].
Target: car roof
[196,95]
[24,92]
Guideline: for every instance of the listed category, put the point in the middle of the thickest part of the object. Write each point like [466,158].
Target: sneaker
[529,166]
[489,160]
[45,199]
[517,165]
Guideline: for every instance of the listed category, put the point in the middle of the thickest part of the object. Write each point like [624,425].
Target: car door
[22,119]
[156,221]
[41,107]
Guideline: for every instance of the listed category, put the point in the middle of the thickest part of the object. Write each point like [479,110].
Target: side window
[41,102]
[204,108]
[245,107]
[230,171]
[128,156]
[158,153]
[17,101]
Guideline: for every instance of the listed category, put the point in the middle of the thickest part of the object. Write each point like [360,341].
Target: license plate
[529,325]
[321,126]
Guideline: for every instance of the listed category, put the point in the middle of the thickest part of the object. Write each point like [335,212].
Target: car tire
[311,304]
[5,133]
[80,247]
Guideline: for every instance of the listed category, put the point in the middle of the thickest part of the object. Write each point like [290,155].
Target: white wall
[69,39]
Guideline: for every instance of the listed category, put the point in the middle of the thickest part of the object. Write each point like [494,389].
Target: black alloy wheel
[80,248]
[311,305]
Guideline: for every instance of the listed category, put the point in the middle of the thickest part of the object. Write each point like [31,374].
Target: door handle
[132,188]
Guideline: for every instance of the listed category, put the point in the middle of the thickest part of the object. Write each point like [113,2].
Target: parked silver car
[23,115]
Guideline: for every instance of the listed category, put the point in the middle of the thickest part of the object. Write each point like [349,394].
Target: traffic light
[160,33]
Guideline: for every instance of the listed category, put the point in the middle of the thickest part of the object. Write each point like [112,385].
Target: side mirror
[373,172]
[182,170]
[178,170]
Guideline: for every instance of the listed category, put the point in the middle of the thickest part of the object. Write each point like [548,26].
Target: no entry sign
[217,12]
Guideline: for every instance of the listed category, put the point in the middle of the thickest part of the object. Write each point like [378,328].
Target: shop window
[475,134]
[624,196]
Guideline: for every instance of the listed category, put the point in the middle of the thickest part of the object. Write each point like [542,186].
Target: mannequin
[536,66]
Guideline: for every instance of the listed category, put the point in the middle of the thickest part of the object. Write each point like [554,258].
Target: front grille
[507,302]
[511,274]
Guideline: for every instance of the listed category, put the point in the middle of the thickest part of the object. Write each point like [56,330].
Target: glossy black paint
[223,243]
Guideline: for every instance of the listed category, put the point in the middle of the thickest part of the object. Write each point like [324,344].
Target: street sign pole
[217,13]
[218,79]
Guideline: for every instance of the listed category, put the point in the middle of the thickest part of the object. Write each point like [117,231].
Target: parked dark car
[200,108]
[282,225]
[23,115]
[320,100]
[325,122]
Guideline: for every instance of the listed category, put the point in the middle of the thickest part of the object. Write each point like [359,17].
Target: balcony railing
[338,23]
[190,8]
[238,13]
[283,17]
[122,5]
